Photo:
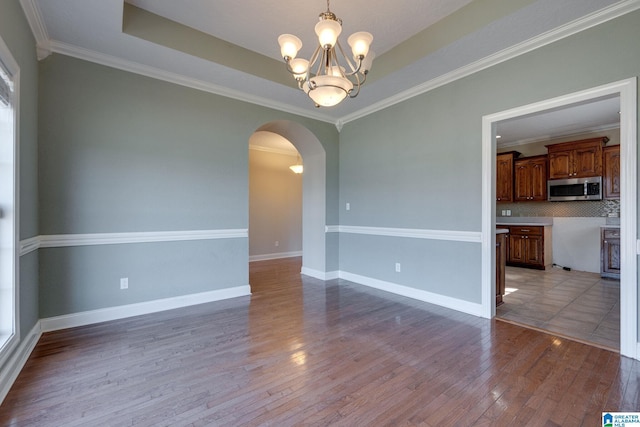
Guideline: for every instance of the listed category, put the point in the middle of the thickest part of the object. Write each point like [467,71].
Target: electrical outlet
[124,283]
[397,267]
[348,206]
[277,243]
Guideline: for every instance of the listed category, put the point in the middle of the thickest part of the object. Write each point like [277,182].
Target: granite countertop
[610,226]
[526,224]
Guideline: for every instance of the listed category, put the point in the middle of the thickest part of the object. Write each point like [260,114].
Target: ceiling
[230,47]
[596,115]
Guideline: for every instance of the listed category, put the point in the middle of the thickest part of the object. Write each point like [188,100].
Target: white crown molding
[456,236]
[38,28]
[124,311]
[602,128]
[14,365]
[417,294]
[156,73]
[569,29]
[46,46]
[291,153]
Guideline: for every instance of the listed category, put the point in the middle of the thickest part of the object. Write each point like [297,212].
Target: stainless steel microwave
[574,189]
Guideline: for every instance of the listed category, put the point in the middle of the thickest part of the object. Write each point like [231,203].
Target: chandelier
[322,77]
[298,167]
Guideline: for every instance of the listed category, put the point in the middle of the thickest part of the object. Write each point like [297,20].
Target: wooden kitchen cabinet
[610,253]
[611,172]
[529,246]
[501,260]
[530,179]
[577,159]
[504,176]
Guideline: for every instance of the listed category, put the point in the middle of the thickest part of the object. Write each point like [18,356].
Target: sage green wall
[16,34]
[417,164]
[121,152]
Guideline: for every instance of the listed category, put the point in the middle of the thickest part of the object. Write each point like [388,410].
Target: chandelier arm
[357,85]
[325,80]
[354,69]
[288,65]
[322,63]
[312,61]
[333,63]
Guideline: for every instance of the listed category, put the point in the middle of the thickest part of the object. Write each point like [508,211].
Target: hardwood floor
[574,304]
[300,351]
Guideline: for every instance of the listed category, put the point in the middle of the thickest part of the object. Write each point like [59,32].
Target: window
[9,332]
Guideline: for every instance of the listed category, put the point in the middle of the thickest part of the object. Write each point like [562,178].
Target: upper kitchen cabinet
[504,176]
[531,179]
[611,172]
[577,159]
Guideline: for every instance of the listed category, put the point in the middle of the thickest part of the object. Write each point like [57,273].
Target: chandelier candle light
[322,78]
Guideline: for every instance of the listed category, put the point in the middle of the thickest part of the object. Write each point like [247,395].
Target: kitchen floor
[573,304]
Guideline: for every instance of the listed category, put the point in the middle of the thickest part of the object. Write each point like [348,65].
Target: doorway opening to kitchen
[573,301]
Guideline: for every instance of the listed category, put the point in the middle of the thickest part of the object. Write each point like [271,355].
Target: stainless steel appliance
[574,189]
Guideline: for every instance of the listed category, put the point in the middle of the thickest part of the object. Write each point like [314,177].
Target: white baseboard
[331,275]
[280,255]
[130,310]
[317,274]
[14,365]
[418,294]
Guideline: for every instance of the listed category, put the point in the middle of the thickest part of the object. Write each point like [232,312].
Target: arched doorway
[313,193]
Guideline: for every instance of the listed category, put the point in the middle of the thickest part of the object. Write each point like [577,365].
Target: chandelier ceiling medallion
[322,77]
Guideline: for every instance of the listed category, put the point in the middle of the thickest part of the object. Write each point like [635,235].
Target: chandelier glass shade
[322,77]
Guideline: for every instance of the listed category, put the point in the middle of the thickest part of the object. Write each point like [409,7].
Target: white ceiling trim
[45,46]
[179,79]
[38,28]
[595,129]
[273,150]
[544,39]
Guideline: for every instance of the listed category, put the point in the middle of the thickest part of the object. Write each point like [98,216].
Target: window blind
[6,86]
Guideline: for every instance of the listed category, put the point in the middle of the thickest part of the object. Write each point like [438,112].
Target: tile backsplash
[599,208]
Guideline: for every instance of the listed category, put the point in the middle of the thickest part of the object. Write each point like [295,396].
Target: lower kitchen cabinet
[501,259]
[530,246]
[610,253]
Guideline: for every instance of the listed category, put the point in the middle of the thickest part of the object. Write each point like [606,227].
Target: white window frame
[11,213]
